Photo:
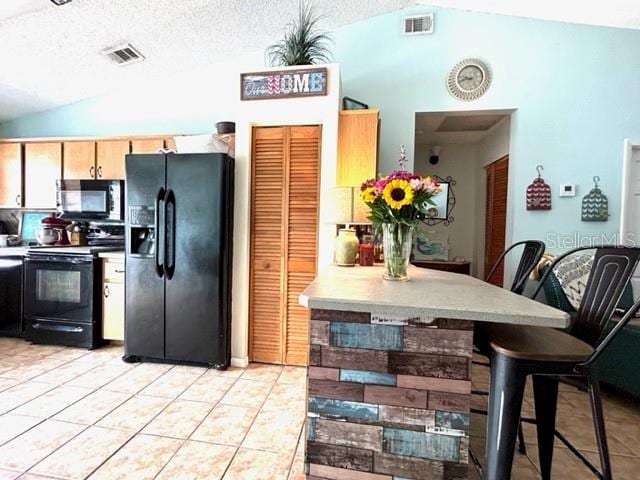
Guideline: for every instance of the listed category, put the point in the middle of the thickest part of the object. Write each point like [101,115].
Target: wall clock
[469,79]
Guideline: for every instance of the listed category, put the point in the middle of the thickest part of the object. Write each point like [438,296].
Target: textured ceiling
[50,55]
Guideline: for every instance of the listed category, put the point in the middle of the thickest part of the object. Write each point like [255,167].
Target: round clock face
[469,79]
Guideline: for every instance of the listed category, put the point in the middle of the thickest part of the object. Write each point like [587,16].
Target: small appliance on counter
[53,231]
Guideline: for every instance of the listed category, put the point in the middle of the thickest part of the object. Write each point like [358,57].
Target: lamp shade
[346,207]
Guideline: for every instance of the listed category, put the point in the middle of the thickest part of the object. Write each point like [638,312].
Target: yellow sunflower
[398,193]
[368,195]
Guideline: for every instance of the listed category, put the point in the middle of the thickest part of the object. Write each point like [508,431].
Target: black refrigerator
[179,226]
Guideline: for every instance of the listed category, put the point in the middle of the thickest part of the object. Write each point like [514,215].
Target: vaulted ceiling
[50,56]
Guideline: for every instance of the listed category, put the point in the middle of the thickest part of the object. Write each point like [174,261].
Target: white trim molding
[627,157]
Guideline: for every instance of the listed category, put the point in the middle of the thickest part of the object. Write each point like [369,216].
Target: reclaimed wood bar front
[389,384]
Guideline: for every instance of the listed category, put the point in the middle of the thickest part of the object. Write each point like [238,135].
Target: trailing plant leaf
[303,43]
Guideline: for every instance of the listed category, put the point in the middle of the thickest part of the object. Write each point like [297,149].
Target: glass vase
[397,241]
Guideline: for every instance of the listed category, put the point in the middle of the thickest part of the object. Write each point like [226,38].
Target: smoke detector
[125,54]
[418,24]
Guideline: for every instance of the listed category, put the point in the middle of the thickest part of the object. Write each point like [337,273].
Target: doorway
[285,182]
[630,212]
[460,146]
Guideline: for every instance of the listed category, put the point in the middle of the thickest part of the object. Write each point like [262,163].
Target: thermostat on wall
[567,190]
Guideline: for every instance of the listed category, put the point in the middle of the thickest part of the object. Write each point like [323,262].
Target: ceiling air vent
[123,54]
[418,24]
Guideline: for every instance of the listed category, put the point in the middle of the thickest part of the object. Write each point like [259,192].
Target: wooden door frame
[285,217]
[627,158]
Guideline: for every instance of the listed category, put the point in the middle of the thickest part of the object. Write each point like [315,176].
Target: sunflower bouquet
[398,202]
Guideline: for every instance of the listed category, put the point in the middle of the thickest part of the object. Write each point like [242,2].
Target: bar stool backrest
[531,255]
[612,270]
[613,267]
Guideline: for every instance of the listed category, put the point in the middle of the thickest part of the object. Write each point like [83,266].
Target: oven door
[58,287]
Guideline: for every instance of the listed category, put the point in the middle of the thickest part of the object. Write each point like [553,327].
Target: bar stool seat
[545,354]
[539,344]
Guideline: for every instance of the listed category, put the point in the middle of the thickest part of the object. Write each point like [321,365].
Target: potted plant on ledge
[398,202]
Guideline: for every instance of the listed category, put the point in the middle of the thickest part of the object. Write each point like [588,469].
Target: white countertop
[429,294]
[13,251]
[117,255]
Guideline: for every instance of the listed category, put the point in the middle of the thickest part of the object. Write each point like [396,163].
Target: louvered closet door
[267,219]
[284,212]
[303,176]
[496,216]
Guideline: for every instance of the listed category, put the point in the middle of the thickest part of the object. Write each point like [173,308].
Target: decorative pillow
[206,143]
[572,274]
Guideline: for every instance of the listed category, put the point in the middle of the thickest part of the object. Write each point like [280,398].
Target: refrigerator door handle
[170,234]
[160,234]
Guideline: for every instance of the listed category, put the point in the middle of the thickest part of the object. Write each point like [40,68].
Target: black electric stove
[62,295]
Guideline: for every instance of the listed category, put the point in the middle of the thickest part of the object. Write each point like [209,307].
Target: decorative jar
[346,247]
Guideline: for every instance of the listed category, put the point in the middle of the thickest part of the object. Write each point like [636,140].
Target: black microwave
[90,199]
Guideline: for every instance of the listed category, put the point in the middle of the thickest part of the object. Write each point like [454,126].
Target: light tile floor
[622,417]
[73,414]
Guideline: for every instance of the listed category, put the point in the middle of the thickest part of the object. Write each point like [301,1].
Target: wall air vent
[418,24]
[123,54]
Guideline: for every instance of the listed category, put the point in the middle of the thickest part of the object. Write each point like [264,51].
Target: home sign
[283,84]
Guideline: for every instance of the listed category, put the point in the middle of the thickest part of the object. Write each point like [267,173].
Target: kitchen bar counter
[389,373]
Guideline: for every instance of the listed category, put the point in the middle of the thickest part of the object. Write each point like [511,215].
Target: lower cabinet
[113,299]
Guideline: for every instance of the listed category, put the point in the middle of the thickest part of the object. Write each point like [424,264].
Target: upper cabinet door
[79,160]
[147,145]
[110,155]
[42,167]
[10,175]
[357,146]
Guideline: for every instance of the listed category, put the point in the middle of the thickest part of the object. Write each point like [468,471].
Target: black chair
[547,354]
[531,255]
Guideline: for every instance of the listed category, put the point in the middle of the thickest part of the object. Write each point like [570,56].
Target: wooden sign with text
[283,84]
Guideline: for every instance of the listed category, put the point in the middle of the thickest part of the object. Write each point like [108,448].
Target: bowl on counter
[9,240]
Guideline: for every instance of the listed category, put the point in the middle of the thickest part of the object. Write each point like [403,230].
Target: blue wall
[575,90]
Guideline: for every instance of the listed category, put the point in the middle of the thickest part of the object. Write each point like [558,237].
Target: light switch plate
[567,189]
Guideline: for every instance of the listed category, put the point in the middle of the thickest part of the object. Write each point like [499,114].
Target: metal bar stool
[531,255]
[546,354]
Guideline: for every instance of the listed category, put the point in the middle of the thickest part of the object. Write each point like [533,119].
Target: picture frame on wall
[430,245]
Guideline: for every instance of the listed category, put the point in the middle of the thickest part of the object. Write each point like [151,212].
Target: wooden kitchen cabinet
[42,167]
[357,146]
[110,158]
[113,299]
[147,145]
[79,160]
[10,175]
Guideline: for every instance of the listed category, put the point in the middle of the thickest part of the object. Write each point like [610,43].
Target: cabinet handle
[18,200]
[92,173]
[119,271]
[100,171]
[106,291]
